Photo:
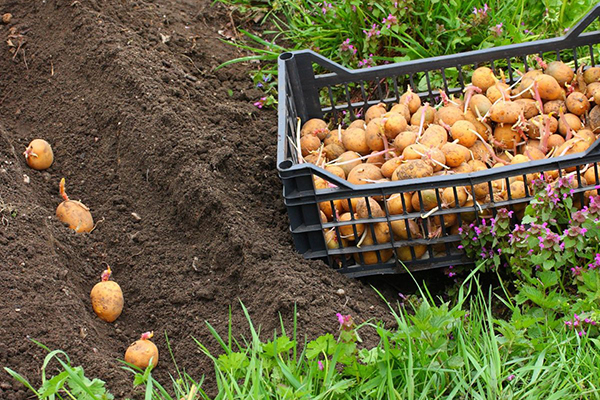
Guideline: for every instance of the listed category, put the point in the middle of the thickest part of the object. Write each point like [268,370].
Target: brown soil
[141,123]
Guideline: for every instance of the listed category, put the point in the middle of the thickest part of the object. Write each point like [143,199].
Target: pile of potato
[549,112]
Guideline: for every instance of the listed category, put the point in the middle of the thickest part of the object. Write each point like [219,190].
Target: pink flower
[346,322]
[372,32]
[346,46]
[389,21]
[261,102]
[320,365]
[497,30]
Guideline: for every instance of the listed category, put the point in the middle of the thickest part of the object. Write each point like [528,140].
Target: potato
[483,78]
[349,160]
[596,96]
[572,146]
[388,168]
[375,111]
[334,137]
[533,152]
[347,231]
[374,134]
[376,158]
[505,112]
[322,217]
[448,219]
[429,117]
[591,75]
[328,210]
[448,115]
[586,134]
[537,123]
[517,191]
[39,155]
[505,136]
[572,120]
[463,131]
[333,151]
[480,104]
[434,136]
[498,91]
[143,352]
[74,213]
[429,199]
[364,174]
[450,199]
[548,87]
[358,123]
[332,241]
[591,88]
[335,170]
[382,232]
[529,107]
[315,127]
[594,119]
[372,257]
[578,104]
[309,144]
[480,151]
[401,109]
[553,106]
[411,100]
[404,139]
[355,139]
[436,158]
[412,169]
[463,168]
[561,72]
[394,125]
[481,129]
[313,158]
[398,203]
[526,83]
[406,229]
[405,253]
[555,141]
[372,211]
[414,152]
[455,154]
[477,165]
[107,298]
[590,176]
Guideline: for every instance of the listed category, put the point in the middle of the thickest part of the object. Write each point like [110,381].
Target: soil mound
[178,169]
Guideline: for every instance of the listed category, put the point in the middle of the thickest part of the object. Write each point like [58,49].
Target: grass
[435,350]
[364,33]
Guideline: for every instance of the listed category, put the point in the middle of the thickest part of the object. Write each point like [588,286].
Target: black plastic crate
[300,91]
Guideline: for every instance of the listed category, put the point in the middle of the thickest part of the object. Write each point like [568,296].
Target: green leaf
[548,264]
[53,385]
[233,361]
[548,278]
[325,344]
[281,345]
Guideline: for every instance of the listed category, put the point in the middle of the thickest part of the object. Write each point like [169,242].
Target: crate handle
[584,22]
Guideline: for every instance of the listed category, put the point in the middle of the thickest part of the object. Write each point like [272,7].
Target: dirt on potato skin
[178,168]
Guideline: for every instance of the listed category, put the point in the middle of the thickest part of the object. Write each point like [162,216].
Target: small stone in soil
[6,18]
[340,292]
